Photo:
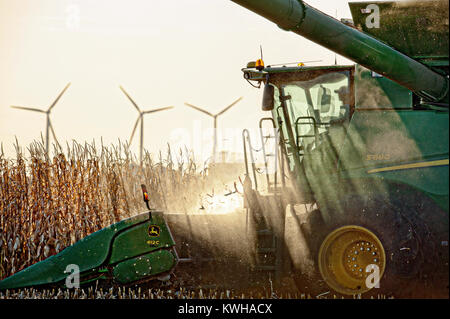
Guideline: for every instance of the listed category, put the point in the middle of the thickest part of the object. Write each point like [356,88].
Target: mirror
[268,97]
[324,99]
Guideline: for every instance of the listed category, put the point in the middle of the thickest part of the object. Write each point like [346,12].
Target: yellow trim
[407,166]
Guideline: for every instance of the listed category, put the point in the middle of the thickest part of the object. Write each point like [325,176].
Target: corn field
[48,203]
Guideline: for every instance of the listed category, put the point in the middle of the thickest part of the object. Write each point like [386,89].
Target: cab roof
[252,74]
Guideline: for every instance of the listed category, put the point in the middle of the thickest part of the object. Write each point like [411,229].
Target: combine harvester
[357,198]
[366,147]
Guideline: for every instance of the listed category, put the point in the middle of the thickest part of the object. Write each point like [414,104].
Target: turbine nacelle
[214,116]
[49,125]
[140,120]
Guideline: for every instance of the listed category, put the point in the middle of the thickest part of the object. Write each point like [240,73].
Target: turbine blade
[59,96]
[129,97]
[134,129]
[53,132]
[199,109]
[229,106]
[159,109]
[28,108]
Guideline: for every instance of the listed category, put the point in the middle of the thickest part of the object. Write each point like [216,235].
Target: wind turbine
[49,125]
[214,116]
[141,120]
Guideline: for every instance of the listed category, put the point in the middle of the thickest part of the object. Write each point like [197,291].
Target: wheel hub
[348,255]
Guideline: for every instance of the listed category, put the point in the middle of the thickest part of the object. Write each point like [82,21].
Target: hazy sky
[162,52]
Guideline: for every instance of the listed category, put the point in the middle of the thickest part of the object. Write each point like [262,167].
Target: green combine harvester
[359,178]
[362,148]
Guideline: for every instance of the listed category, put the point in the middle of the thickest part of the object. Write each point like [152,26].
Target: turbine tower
[214,116]
[49,126]
[140,119]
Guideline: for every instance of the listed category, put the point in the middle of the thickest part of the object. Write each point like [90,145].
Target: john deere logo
[154,230]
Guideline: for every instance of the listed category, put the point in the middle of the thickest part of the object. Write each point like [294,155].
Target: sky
[162,52]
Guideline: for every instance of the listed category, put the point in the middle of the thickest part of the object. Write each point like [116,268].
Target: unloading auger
[363,48]
[133,250]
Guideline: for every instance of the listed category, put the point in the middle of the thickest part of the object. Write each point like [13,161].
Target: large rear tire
[407,236]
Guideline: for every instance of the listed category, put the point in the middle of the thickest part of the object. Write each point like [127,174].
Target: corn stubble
[139,293]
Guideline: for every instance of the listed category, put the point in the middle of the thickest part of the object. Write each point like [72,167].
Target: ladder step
[265,267]
[265,250]
[266,232]
[275,189]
